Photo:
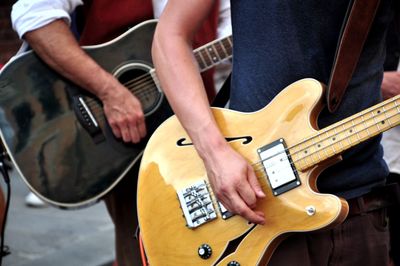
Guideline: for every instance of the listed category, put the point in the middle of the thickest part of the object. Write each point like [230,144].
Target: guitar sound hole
[138,80]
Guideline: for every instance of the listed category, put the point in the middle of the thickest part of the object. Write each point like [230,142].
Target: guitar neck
[339,137]
[207,56]
[213,53]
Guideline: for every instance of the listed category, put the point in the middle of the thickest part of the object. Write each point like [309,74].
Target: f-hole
[233,244]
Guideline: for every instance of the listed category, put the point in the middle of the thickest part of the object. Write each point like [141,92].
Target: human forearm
[390,84]
[57,46]
[232,178]
[182,83]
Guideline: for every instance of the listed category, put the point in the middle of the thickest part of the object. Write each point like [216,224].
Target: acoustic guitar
[181,221]
[56,133]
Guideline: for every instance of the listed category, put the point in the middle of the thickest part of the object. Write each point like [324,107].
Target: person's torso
[279,42]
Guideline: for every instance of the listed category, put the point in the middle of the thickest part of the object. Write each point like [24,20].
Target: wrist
[104,85]
[210,142]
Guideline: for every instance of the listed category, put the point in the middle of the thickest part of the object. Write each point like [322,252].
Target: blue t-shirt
[278,42]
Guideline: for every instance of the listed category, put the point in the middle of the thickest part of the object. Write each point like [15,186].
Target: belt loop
[361,205]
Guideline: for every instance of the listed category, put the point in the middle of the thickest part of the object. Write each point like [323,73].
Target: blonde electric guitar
[181,221]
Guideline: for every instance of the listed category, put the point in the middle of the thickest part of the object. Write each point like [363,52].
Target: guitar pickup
[278,165]
[225,214]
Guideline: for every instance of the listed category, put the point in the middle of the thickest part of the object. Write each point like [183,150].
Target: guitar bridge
[197,205]
[87,119]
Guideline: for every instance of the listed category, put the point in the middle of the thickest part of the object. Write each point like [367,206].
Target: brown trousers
[361,240]
[121,205]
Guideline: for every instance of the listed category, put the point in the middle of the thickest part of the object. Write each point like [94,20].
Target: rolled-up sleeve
[28,15]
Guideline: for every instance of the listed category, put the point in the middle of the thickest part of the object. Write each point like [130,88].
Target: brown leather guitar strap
[358,20]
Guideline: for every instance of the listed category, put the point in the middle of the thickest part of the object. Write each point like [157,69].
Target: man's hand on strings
[124,112]
[235,184]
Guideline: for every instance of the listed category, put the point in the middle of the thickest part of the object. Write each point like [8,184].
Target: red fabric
[105,20]
[207,34]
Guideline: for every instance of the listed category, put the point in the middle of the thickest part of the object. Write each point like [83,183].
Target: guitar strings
[136,85]
[263,178]
[258,164]
[325,130]
[146,87]
[140,84]
[214,199]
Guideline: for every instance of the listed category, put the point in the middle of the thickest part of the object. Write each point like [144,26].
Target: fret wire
[306,152]
[200,61]
[223,48]
[358,135]
[204,59]
[327,155]
[216,58]
[309,150]
[365,125]
[338,138]
[316,148]
[301,158]
[374,118]
[347,132]
[384,111]
[360,116]
[397,106]
[217,49]
[293,148]
[366,137]
[209,56]
[230,41]
[227,46]
[329,138]
[351,129]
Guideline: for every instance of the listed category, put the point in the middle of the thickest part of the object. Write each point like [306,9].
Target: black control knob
[233,263]
[204,251]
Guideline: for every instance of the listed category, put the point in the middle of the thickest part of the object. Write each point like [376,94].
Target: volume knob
[204,251]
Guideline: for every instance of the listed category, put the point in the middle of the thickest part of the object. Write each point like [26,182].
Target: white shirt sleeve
[158,7]
[224,20]
[28,15]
